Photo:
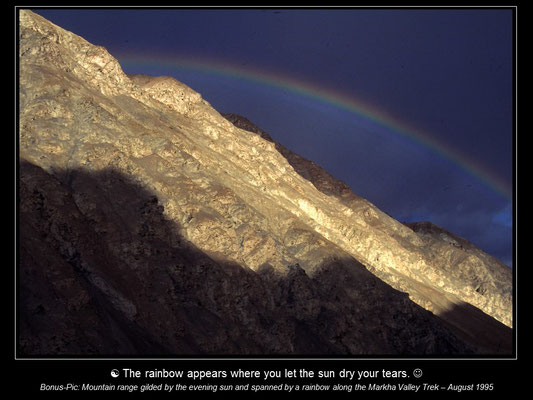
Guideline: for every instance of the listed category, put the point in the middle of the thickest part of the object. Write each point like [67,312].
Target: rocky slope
[150,223]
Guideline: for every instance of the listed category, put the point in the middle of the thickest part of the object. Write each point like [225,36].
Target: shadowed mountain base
[473,326]
[102,271]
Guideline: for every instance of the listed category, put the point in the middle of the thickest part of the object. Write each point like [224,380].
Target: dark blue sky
[445,72]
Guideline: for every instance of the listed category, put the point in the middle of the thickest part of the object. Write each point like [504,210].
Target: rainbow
[332,98]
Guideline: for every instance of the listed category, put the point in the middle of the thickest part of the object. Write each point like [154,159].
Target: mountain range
[151,224]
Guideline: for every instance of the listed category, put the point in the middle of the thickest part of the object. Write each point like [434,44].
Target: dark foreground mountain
[151,224]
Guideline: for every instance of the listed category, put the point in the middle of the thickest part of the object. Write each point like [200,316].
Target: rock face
[151,224]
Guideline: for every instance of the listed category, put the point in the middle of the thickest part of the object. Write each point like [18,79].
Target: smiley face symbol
[115,373]
[417,373]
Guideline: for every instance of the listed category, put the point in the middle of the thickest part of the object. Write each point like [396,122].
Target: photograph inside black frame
[265,183]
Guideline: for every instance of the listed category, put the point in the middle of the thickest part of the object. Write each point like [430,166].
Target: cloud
[504,216]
